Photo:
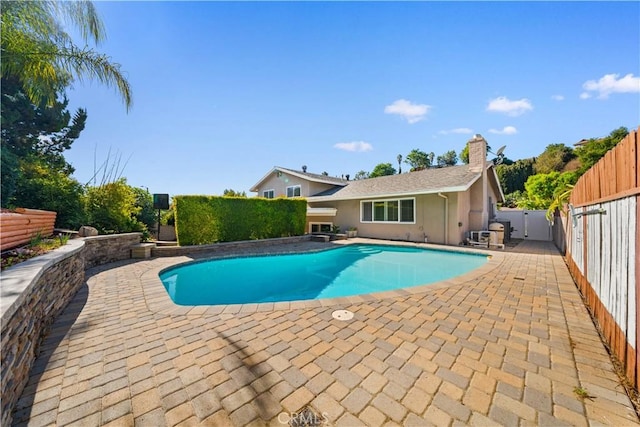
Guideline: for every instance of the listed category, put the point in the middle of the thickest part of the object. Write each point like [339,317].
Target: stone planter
[352,233]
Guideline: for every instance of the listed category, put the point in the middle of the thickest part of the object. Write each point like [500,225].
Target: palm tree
[399,163]
[38,52]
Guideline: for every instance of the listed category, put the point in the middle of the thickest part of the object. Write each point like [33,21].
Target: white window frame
[398,201]
[272,191]
[311,224]
[293,187]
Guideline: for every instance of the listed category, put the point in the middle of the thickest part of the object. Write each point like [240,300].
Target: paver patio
[508,344]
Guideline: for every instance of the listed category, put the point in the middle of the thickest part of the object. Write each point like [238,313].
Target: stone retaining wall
[216,248]
[34,292]
[109,248]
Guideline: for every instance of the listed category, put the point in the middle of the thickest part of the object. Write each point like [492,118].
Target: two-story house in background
[440,205]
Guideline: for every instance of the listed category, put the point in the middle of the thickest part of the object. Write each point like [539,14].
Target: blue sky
[225,91]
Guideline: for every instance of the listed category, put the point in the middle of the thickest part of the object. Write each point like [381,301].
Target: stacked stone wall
[109,248]
[39,290]
[225,247]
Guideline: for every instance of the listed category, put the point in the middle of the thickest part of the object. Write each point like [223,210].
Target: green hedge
[209,219]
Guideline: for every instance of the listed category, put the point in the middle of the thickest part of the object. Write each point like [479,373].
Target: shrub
[44,187]
[111,208]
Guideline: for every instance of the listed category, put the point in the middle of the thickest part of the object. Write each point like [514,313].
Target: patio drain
[342,315]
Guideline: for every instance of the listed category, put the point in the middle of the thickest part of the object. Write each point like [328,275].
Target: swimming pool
[349,270]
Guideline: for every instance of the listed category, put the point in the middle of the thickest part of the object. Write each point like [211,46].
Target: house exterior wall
[280,183]
[429,220]
[481,210]
[463,212]
[494,197]
[476,204]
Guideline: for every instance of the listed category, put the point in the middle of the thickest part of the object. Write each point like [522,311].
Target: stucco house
[440,205]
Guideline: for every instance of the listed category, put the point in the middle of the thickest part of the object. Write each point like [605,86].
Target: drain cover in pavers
[342,315]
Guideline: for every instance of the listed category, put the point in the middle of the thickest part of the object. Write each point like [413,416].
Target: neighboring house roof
[581,142]
[426,181]
[324,179]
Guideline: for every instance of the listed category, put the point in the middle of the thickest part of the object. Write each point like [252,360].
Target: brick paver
[506,344]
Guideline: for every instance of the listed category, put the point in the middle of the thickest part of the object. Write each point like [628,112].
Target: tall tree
[553,158]
[399,163]
[147,215]
[33,134]
[39,61]
[44,131]
[382,169]
[512,177]
[450,158]
[41,55]
[361,175]
[418,159]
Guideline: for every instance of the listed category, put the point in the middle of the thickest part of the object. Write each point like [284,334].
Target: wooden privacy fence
[18,227]
[602,248]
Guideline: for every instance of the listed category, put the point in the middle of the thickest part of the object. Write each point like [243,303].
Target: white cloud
[585,95]
[610,83]
[503,104]
[557,97]
[355,146]
[413,113]
[507,130]
[456,130]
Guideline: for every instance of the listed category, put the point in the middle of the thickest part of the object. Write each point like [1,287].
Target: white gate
[527,224]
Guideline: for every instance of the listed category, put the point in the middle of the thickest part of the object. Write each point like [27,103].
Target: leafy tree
[44,130]
[554,158]
[418,159]
[111,208]
[542,189]
[382,169]
[450,158]
[513,199]
[39,61]
[43,187]
[233,193]
[36,132]
[361,175]
[9,175]
[147,215]
[512,177]
[464,154]
[41,56]
[596,148]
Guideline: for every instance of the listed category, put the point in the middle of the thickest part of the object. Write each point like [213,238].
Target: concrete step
[166,243]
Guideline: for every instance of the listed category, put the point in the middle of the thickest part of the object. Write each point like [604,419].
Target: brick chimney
[479,212]
[477,153]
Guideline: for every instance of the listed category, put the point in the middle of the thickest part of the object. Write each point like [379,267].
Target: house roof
[313,177]
[427,181]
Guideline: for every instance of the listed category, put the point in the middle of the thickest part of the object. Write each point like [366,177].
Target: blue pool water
[350,270]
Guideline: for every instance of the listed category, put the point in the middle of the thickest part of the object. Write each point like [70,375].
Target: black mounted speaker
[161,201]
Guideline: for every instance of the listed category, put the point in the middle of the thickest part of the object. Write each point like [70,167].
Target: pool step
[368,251]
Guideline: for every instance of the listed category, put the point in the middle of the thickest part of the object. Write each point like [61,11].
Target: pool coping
[158,300]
